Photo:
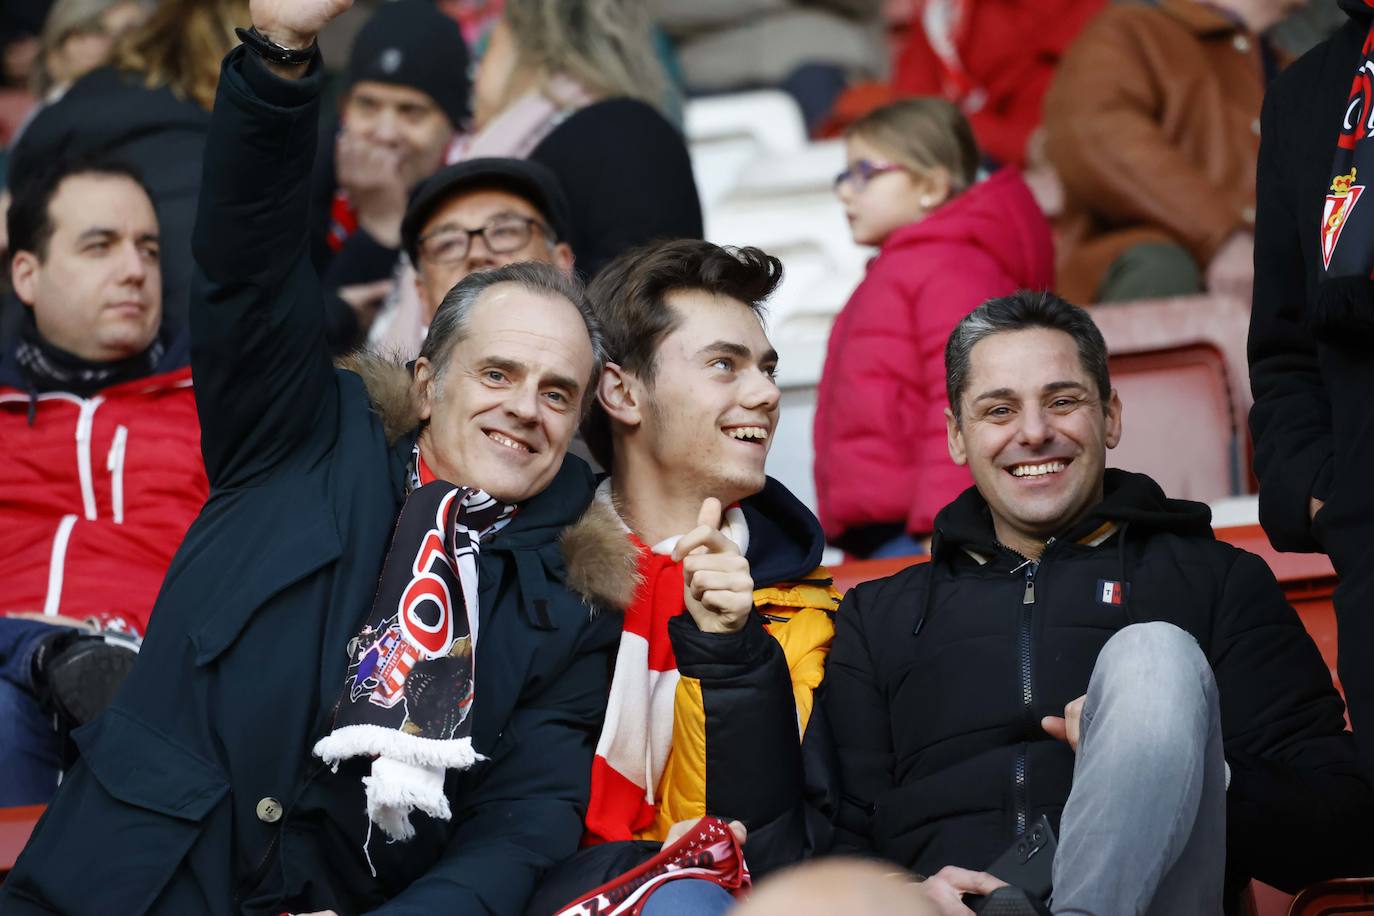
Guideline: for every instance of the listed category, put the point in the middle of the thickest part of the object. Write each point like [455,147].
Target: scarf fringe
[396,788]
[380,741]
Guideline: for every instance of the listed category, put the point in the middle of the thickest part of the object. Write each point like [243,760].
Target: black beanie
[410,43]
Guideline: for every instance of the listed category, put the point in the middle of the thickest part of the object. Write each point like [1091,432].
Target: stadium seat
[1180,365]
[728,132]
[1340,897]
[16,824]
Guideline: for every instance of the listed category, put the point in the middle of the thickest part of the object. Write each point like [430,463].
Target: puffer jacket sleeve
[1292,762]
[264,380]
[737,736]
[860,726]
[1291,419]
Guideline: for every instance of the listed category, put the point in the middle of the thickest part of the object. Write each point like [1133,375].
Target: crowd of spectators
[271,293]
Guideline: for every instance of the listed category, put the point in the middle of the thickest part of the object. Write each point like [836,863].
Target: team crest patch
[1110,591]
[1336,212]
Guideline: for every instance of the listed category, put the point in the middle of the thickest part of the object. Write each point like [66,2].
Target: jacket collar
[965,525]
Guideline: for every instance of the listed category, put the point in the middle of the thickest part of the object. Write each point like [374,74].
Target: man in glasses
[481,214]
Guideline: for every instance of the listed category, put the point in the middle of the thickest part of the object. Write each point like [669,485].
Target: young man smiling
[1082,647]
[726,633]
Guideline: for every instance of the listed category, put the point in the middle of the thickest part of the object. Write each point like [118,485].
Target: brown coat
[1153,125]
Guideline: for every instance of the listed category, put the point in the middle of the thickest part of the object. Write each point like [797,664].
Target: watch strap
[269,50]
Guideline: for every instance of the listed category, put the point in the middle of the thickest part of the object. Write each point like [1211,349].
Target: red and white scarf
[637,736]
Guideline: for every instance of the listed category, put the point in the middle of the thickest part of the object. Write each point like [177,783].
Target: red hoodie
[879,435]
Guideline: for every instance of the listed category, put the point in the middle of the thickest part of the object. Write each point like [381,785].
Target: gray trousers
[1144,829]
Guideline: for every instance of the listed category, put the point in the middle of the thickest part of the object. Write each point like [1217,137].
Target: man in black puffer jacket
[1081,646]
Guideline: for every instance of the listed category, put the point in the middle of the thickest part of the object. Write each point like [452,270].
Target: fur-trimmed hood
[601,562]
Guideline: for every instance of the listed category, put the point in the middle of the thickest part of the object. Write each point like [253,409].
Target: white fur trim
[396,788]
[377,741]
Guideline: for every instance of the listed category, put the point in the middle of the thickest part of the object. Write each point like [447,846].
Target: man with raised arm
[369,685]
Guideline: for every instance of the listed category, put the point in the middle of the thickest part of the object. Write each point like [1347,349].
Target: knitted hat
[521,177]
[410,43]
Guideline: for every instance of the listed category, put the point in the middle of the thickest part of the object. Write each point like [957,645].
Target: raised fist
[294,23]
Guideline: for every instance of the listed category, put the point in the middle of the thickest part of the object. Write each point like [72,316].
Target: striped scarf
[408,697]
[637,736]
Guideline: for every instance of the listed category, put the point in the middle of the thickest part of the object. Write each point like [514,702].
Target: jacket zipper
[114,463]
[1031,567]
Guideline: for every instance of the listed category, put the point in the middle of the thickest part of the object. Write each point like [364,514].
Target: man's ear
[425,385]
[24,276]
[1113,420]
[620,393]
[563,257]
[954,437]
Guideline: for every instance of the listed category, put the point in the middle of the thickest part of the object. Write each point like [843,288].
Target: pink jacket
[879,434]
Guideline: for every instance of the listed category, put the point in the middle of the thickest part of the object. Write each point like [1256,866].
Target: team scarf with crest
[1347,230]
[408,697]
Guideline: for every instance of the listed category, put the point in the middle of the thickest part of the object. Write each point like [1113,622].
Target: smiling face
[706,421]
[506,405]
[1034,433]
[96,291]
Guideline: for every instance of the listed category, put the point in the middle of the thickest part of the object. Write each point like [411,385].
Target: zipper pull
[1029,596]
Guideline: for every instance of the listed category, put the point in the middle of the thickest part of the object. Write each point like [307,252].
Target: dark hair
[450,322]
[1022,310]
[30,220]
[630,297]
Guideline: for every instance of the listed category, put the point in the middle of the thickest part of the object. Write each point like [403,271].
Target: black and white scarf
[1347,229]
[408,698]
[50,368]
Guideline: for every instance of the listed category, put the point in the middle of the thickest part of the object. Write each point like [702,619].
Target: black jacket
[756,771]
[940,674]
[110,114]
[628,179]
[1309,365]
[247,653]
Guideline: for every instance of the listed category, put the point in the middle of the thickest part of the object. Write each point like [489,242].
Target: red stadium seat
[15,826]
[1335,898]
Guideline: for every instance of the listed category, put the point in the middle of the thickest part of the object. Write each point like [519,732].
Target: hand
[948,885]
[294,23]
[1232,271]
[371,174]
[1068,728]
[1314,506]
[679,830]
[717,587]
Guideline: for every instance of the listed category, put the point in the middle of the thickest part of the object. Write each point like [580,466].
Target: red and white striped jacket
[95,496]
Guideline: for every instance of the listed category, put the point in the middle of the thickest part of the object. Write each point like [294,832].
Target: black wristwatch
[269,50]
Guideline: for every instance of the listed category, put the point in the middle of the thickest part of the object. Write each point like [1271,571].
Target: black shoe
[76,675]
[1010,901]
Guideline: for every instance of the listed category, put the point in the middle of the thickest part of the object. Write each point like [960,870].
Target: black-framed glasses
[858,175]
[502,235]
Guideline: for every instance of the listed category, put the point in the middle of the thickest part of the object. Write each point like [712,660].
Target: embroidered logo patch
[1110,591]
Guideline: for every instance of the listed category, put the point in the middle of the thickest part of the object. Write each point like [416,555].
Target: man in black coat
[206,787]
[1311,333]
[1081,647]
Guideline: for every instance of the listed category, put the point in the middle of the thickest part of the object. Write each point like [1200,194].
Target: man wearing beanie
[406,97]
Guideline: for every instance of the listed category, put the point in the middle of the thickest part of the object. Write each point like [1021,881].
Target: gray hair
[1022,310]
[450,324]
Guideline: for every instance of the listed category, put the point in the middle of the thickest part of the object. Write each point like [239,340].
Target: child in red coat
[947,241]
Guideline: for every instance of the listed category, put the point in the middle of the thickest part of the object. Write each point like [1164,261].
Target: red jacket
[95,496]
[880,449]
[1004,55]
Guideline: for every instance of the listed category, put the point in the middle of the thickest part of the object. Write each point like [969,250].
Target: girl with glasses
[948,239]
